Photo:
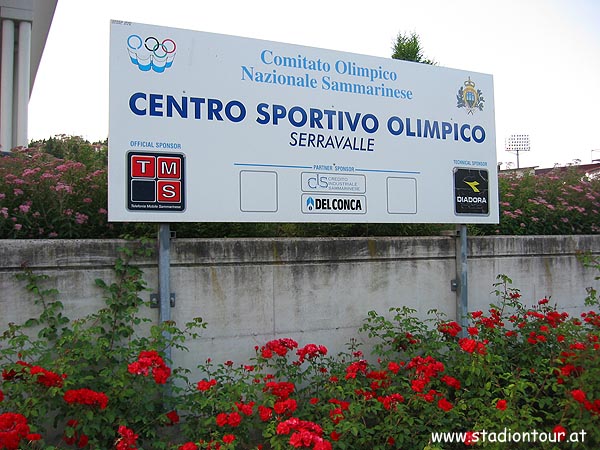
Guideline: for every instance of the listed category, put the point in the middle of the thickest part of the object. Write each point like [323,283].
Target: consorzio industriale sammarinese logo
[150,53]
[470,98]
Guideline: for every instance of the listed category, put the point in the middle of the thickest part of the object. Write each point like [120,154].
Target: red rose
[444,404]
[578,395]
[173,417]
[560,433]
[245,408]
[204,385]
[14,428]
[468,345]
[46,377]
[228,438]
[471,437]
[451,381]
[127,439]
[265,413]
[234,419]
[150,360]
[221,419]
[86,397]
[188,446]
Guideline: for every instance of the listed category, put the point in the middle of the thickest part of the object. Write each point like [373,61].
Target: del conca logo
[334,204]
[150,53]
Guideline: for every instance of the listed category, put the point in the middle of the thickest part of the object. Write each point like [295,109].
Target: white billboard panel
[214,128]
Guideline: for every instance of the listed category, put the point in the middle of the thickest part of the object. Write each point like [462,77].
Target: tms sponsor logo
[150,53]
[334,204]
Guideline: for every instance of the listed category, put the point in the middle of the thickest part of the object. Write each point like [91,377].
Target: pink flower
[28,172]
[81,218]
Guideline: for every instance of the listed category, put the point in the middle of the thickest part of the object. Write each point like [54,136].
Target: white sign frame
[231,129]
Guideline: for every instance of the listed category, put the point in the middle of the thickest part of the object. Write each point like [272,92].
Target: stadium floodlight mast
[517,143]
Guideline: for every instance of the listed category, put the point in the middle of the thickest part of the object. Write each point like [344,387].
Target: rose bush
[100,382]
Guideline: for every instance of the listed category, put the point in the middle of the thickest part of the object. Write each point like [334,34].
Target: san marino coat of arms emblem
[470,98]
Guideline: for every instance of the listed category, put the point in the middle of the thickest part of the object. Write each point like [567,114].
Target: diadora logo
[474,198]
[473,185]
[150,53]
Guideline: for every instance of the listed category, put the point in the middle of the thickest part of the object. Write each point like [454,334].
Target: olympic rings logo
[150,53]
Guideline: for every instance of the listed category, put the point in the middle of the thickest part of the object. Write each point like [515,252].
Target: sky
[544,56]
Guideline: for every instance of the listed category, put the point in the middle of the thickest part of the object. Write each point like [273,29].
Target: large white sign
[214,128]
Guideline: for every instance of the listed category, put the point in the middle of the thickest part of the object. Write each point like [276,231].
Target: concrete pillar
[6,84]
[23,76]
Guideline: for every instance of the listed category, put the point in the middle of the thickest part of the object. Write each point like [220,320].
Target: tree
[75,148]
[408,48]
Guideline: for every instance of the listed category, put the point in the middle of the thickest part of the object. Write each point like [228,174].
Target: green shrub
[58,189]
[562,201]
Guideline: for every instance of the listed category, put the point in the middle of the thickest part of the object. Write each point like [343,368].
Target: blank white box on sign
[401,195]
[258,191]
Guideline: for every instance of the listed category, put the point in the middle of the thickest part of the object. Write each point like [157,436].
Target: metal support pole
[164,280]
[462,287]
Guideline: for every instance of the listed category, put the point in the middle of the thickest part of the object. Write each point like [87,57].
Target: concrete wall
[313,290]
